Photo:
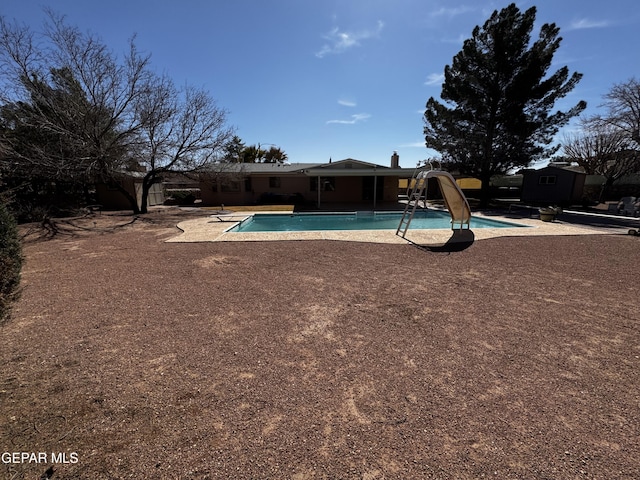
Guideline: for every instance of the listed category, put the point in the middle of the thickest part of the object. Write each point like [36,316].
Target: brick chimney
[395,160]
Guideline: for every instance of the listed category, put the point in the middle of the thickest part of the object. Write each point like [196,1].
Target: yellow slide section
[454,199]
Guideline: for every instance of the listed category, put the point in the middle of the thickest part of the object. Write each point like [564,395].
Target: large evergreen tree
[498,100]
[51,134]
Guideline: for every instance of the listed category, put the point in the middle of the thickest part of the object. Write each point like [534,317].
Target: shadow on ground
[590,218]
[459,241]
[601,221]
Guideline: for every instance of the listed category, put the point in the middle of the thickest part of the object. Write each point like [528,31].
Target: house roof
[340,168]
[350,167]
[277,167]
[349,163]
[264,168]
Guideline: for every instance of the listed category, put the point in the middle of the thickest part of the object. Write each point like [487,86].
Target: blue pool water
[298,222]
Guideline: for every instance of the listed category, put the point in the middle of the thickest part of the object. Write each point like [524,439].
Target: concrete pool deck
[212,229]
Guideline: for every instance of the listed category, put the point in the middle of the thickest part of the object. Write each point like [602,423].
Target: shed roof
[554,168]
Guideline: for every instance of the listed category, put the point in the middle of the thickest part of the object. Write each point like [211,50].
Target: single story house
[345,181]
[553,185]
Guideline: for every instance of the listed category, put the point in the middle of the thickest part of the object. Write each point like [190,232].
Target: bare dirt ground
[128,357]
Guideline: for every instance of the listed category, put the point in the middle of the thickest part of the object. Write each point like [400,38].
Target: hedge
[10,261]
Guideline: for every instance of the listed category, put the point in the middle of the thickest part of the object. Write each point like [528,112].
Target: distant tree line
[235,151]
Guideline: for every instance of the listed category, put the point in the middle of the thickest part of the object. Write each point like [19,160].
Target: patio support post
[375,190]
[319,186]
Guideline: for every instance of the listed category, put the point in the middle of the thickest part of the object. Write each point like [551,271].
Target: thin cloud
[339,41]
[347,103]
[585,23]
[413,145]
[452,12]
[358,117]
[435,79]
[456,41]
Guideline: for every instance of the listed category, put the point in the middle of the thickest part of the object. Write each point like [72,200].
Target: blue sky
[339,78]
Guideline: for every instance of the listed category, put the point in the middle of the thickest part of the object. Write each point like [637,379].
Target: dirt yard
[128,357]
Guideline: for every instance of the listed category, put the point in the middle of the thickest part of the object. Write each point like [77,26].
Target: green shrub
[10,261]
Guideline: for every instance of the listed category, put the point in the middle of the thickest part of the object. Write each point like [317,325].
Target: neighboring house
[626,186]
[346,181]
[553,185]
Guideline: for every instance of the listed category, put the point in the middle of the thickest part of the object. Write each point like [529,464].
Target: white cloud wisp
[358,117]
[452,11]
[585,23]
[340,42]
[435,79]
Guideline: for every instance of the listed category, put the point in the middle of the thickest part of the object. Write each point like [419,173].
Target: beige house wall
[211,197]
[391,190]
[347,189]
[288,185]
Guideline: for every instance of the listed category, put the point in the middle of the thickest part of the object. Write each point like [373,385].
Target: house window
[230,186]
[328,184]
[547,180]
[274,182]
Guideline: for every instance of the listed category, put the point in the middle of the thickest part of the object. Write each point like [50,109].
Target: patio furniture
[629,206]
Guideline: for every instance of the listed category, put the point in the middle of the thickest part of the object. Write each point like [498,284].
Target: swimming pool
[299,222]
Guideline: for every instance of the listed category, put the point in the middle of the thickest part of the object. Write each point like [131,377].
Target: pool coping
[213,229]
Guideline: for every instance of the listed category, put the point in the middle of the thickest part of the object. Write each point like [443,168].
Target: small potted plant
[548,214]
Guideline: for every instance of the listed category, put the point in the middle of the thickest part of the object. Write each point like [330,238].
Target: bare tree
[601,149]
[609,144]
[107,113]
[183,131]
[99,94]
[623,109]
